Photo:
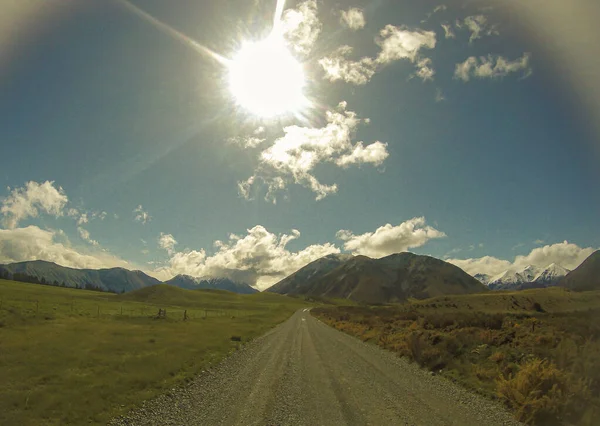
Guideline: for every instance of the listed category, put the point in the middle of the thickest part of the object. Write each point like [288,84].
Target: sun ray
[174,33]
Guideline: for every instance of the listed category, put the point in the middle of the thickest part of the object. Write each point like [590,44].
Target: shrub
[539,392]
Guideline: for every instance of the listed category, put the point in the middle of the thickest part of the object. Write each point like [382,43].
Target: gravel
[305,373]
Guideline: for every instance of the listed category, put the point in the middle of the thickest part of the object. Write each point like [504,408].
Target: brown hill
[394,278]
[586,276]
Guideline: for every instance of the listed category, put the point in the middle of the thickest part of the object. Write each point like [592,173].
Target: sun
[266,79]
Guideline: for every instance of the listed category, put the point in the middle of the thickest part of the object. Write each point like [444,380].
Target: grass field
[72,357]
[538,351]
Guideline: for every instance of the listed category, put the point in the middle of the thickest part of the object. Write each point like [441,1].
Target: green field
[537,351]
[81,357]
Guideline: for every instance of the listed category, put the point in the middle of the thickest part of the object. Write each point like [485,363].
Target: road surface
[304,372]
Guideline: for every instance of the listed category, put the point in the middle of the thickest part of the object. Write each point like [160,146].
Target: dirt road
[306,373]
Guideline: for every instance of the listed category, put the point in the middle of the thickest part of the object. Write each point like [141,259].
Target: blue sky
[478,147]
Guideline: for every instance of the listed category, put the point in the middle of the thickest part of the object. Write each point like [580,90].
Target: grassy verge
[537,351]
[79,357]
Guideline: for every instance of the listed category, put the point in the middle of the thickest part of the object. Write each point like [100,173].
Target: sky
[248,138]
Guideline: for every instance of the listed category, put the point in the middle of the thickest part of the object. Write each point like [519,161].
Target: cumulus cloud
[478,26]
[396,43]
[141,215]
[566,254]
[29,200]
[33,243]
[390,239]
[293,157]
[492,67]
[448,32]
[353,18]
[167,242]
[259,258]
[85,235]
[301,26]
[82,219]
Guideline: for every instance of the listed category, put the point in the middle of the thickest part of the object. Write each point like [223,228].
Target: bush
[541,393]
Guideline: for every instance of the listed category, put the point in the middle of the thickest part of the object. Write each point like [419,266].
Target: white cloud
[141,215]
[566,254]
[259,258]
[71,212]
[82,219]
[301,26]
[85,235]
[479,27]
[492,67]
[448,32]
[353,18]
[376,153]
[167,242]
[440,8]
[439,95]
[337,66]
[246,141]
[33,243]
[424,70]
[293,157]
[396,43]
[390,239]
[29,200]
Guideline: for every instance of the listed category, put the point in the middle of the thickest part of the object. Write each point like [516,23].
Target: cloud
[390,239]
[85,235]
[424,70]
[82,219]
[337,66]
[479,27]
[141,215]
[29,200]
[33,243]
[440,8]
[396,43]
[448,32]
[566,254]
[492,67]
[167,242]
[353,18]
[246,141]
[293,157]
[301,26]
[259,258]
[439,95]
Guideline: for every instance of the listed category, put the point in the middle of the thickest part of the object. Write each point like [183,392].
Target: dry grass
[539,354]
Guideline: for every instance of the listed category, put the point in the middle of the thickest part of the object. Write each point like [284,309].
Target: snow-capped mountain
[483,278]
[528,277]
[196,283]
[551,275]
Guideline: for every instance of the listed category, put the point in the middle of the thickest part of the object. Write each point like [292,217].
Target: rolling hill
[113,279]
[586,276]
[394,278]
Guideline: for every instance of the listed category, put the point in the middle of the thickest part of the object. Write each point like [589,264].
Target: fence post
[185,315]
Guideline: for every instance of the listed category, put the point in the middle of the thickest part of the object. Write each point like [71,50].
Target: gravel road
[304,372]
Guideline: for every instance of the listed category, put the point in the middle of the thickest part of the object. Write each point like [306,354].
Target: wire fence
[106,310]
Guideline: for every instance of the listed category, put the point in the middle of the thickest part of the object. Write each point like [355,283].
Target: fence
[105,310]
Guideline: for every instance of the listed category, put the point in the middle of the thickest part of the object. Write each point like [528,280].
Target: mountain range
[528,277]
[586,276]
[194,283]
[393,278]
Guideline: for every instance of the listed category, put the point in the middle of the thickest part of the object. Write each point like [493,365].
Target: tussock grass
[537,351]
[72,357]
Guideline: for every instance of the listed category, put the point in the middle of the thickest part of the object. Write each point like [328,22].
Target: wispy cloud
[353,18]
[479,27]
[140,215]
[293,157]
[28,201]
[301,26]
[493,67]
[167,242]
[85,235]
[448,32]
[396,43]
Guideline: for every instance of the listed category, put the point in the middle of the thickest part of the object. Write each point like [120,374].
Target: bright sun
[266,79]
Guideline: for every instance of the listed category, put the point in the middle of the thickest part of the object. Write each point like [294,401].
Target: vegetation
[537,351]
[81,357]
